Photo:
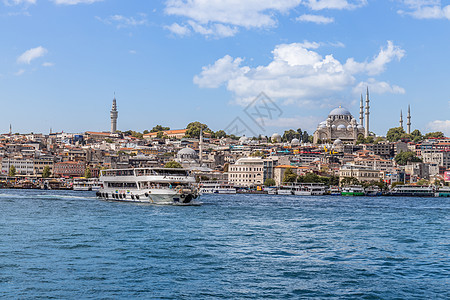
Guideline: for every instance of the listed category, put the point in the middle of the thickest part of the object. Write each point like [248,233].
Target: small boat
[285,190]
[86,184]
[334,191]
[443,191]
[301,190]
[353,190]
[372,190]
[216,188]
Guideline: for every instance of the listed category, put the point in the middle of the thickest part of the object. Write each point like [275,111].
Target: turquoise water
[69,245]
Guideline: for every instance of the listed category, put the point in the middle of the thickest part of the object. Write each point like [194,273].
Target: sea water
[70,245]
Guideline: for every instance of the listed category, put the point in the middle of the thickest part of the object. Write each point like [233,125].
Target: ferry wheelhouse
[149,185]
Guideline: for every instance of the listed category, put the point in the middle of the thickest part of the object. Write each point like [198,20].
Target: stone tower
[366,133]
[361,112]
[114,114]
[408,124]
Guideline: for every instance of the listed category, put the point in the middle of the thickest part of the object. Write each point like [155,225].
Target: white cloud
[74,2]
[211,16]
[426,9]
[18,2]
[31,54]
[378,87]
[296,74]
[223,70]
[335,4]
[132,52]
[48,64]
[315,19]
[440,125]
[20,72]
[378,63]
[223,18]
[122,22]
[178,29]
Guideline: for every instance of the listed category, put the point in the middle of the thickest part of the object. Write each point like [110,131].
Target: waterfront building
[249,171]
[439,157]
[361,173]
[69,169]
[23,166]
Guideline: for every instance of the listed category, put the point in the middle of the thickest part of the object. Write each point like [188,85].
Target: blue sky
[175,61]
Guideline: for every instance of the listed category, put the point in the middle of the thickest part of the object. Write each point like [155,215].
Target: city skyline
[173,62]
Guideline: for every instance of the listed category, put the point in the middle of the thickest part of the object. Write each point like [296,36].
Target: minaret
[408,124]
[200,147]
[367,114]
[114,114]
[361,112]
[401,119]
[10,129]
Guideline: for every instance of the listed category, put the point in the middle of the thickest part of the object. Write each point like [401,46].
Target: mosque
[341,126]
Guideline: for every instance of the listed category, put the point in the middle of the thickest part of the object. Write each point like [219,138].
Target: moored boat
[372,190]
[216,188]
[352,190]
[413,191]
[149,185]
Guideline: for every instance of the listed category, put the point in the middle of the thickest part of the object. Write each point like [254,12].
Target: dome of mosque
[340,111]
[276,137]
[349,127]
[341,127]
[337,142]
[360,126]
[295,142]
[333,126]
[243,139]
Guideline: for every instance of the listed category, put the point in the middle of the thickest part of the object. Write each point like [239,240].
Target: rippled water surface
[67,245]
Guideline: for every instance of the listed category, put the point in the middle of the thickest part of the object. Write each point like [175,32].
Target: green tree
[416,136]
[220,134]
[172,164]
[289,175]
[87,172]
[349,181]
[109,141]
[145,131]
[226,167]
[436,134]
[46,172]
[404,158]
[12,171]
[394,134]
[269,182]
[193,129]
[290,134]
[159,128]
[310,178]
[160,135]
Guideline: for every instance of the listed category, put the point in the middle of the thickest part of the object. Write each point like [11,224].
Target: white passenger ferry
[86,184]
[149,185]
[413,191]
[216,188]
